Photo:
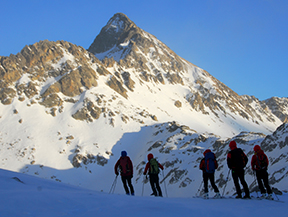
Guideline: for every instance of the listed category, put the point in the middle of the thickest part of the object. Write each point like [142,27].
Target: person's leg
[259,177]
[241,175]
[205,180]
[152,183]
[212,181]
[158,186]
[266,182]
[236,183]
[129,180]
[124,178]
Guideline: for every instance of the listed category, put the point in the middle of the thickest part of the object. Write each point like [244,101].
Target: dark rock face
[118,30]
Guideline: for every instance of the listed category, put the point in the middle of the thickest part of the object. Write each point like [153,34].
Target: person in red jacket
[208,173]
[259,164]
[237,160]
[124,164]
[153,170]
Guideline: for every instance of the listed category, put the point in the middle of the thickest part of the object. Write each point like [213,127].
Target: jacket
[202,165]
[257,157]
[147,167]
[125,165]
[236,159]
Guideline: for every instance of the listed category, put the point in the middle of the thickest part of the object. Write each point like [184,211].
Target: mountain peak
[116,31]
[119,21]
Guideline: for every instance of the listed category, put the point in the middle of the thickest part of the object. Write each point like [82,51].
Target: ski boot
[269,197]
[247,196]
[206,195]
[217,195]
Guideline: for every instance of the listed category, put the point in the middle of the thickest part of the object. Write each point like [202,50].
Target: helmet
[232,145]
[123,153]
[206,151]
[150,156]
[257,148]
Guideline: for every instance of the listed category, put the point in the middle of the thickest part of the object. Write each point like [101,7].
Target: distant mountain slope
[278,106]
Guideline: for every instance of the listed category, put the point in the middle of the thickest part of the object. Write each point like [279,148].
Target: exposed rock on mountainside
[278,106]
[44,70]
[118,29]
[154,62]
[45,60]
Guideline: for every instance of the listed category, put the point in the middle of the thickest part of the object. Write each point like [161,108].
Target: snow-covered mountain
[67,113]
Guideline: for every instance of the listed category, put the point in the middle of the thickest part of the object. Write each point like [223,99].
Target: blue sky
[242,43]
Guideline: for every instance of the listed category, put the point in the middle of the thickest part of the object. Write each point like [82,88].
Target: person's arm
[229,163]
[267,160]
[146,168]
[202,165]
[253,162]
[116,168]
[131,166]
[160,166]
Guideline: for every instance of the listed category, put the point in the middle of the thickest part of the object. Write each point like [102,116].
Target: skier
[126,168]
[237,160]
[152,167]
[259,165]
[208,165]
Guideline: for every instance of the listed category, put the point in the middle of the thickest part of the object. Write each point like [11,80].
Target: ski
[208,198]
[230,197]
[271,199]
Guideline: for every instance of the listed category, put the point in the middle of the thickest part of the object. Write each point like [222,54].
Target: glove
[117,174]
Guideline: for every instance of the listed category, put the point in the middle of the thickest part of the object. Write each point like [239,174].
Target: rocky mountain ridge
[82,107]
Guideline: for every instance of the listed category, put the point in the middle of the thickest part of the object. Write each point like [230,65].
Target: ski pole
[226,183]
[255,180]
[164,183]
[113,185]
[276,195]
[144,179]
[199,189]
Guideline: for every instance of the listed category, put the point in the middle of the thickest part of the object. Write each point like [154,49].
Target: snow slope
[39,197]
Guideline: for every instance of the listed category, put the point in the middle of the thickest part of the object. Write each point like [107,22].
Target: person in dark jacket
[124,164]
[208,174]
[237,160]
[152,167]
[259,164]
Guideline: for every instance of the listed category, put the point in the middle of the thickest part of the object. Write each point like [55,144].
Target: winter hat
[257,148]
[150,156]
[205,152]
[123,153]
[232,145]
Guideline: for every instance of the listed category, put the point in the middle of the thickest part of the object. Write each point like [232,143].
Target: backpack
[210,164]
[239,158]
[124,165]
[262,161]
[154,167]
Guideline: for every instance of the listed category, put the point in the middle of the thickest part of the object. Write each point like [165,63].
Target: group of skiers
[124,164]
[236,161]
